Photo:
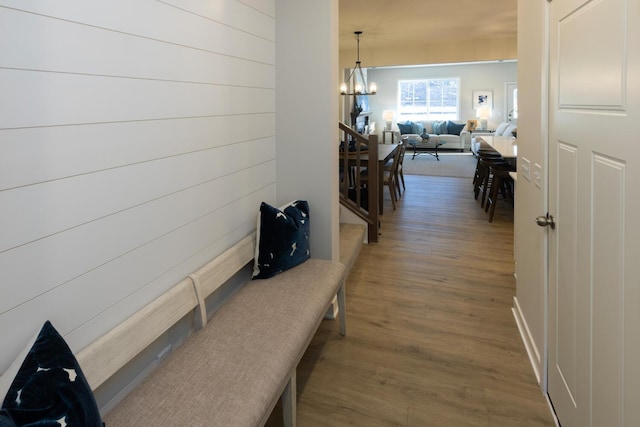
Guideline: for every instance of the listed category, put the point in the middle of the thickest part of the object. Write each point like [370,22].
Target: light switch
[537,175]
[526,169]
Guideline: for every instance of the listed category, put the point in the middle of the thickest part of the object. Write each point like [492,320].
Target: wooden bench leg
[289,401]
[342,309]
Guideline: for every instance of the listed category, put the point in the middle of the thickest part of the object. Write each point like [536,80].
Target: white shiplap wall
[137,139]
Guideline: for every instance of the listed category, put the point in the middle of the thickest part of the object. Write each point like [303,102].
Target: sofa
[427,134]
[505,129]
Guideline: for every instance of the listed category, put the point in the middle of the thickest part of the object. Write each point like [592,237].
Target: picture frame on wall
[482,98]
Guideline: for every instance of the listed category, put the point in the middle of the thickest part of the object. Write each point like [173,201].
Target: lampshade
[387,116]
[483,112]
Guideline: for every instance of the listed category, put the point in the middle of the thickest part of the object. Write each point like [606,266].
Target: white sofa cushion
[508,132]
[501,128]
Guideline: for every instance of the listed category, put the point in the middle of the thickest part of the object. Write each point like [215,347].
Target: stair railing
[362,200]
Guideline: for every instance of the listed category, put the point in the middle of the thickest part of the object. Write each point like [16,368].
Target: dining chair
[502,183]
[389,176]
[399,176]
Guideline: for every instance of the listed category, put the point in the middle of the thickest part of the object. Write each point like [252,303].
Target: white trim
[553,412]
[527,339]
[443,64]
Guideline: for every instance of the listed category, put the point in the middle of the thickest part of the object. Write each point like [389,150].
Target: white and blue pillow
[439,128]
[49,389]
[282,240]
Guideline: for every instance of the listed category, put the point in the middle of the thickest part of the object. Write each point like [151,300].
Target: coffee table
[414,144]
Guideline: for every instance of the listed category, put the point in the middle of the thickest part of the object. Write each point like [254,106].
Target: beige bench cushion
[351,237]
[232,372]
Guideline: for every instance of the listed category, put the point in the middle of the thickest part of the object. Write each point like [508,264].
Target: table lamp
[483,114]
[387,116]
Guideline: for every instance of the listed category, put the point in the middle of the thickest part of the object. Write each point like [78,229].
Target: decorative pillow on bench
[49,388]
[282,238]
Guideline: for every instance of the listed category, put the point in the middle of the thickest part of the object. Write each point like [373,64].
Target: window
[429,99]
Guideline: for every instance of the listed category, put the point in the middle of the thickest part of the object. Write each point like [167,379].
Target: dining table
[385,153]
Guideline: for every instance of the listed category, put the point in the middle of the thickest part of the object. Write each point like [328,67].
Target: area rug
[461,165]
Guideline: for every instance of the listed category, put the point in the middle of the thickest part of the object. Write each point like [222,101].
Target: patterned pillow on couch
[439,128]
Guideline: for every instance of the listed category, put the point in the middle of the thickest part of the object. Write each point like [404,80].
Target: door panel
[594,276]
[587,51]
[565,311]
[608,290]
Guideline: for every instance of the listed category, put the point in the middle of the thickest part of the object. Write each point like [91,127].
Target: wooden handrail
[351,165]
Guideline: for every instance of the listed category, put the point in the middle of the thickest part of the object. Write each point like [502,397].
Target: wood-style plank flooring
[431,339]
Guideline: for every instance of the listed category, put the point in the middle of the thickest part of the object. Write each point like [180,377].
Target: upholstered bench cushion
[351,236]
[232,372]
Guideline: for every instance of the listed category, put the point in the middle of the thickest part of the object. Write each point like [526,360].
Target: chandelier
[359,83]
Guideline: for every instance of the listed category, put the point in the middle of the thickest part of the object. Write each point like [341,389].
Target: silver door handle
[546,221]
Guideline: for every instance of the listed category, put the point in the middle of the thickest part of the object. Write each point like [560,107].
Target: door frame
[546,59]
[507,96]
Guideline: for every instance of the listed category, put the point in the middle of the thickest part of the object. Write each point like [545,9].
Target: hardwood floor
[431,339]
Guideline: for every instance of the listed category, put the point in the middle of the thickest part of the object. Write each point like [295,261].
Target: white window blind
[429,99]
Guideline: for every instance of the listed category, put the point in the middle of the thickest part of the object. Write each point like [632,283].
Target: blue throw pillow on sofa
[405,128]
[50,388]
[282,240]
[454,128]
[439,127]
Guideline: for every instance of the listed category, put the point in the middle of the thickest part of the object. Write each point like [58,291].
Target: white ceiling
[389,23]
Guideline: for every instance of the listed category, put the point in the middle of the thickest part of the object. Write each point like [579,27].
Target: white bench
[233,370]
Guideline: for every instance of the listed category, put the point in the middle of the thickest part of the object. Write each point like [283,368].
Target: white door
[594,195]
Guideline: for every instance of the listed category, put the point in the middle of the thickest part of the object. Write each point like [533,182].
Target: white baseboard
[534,354]
[527,339]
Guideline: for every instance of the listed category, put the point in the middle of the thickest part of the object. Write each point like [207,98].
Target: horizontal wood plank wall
[137,140]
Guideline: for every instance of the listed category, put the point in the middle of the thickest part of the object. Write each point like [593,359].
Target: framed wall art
[482,98]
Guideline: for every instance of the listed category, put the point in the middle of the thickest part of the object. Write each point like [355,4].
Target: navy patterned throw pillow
[50,389]
[282,238]
[5,419]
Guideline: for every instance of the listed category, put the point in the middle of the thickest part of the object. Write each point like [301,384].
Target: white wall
[137,140]
[478,76]
[307,115]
